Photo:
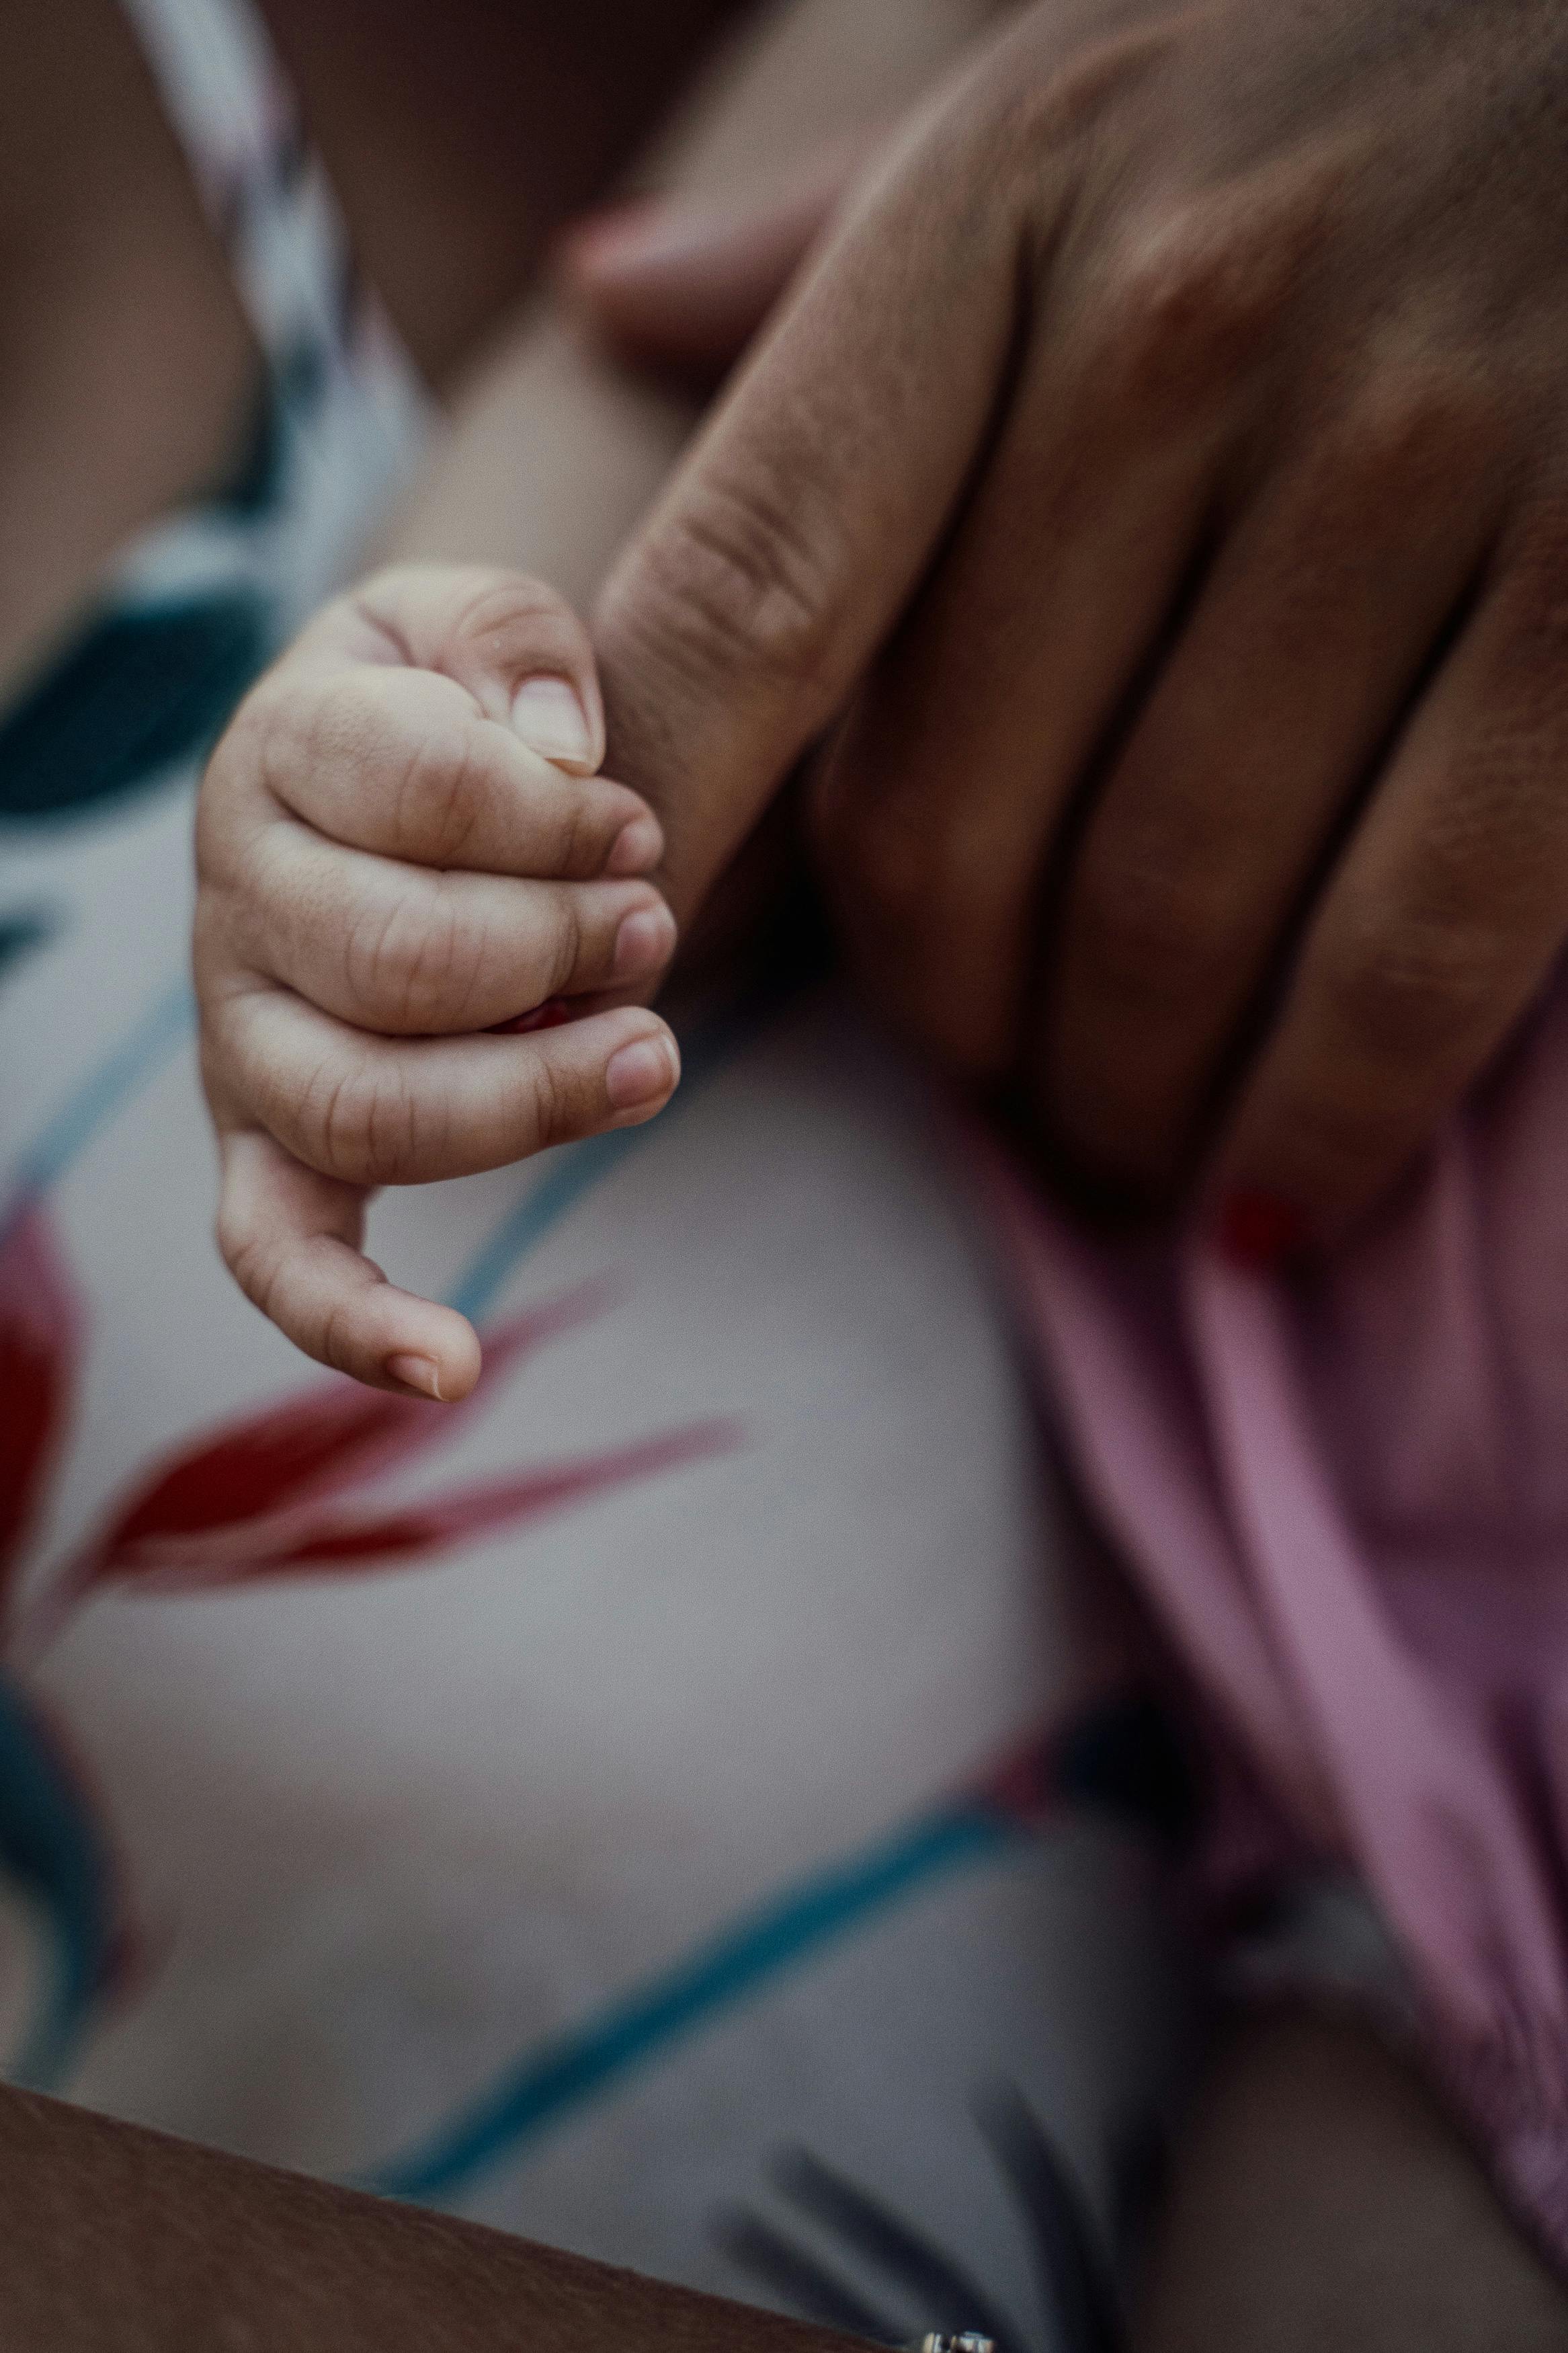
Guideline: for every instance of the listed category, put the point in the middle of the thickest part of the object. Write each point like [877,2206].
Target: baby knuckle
[361,1122]
[579,829]
[335,1118]
[547,1108]
[250,1258]
[332,723]
[438,791]
[336,1342]
[331,726]
[512,621]
[560,944]
[416,966]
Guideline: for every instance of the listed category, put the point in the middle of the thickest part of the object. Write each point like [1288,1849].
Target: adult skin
[1168,454]
[120,2241]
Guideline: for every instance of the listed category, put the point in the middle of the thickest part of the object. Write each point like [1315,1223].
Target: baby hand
[403,852]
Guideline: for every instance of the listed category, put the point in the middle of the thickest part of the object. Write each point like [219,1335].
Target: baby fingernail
[1261,1230]
[641,1073]
[421,1373]
[549,718]
[643,942]
[638,845]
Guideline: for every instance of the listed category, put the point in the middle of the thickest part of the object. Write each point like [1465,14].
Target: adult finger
[1317,620]
[292,1237]
[401,760]
[383,1111]
[413,953]
[771,569]
[946,792]
[1441,924]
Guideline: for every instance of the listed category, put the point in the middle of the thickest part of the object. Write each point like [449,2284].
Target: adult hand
[1169,453]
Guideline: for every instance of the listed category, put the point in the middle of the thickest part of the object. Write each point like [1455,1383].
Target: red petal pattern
[337,1542]
[41,1328]
[335,1435]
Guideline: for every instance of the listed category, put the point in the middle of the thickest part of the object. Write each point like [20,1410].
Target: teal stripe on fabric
[138,692]
[21,934]
[158,1033]
[560,2076]
[52,1849]
[576,1171]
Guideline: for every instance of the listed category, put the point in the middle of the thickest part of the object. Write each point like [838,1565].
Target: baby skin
[424,937]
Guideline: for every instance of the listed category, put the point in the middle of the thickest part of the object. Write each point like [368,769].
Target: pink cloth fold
[1345,1493]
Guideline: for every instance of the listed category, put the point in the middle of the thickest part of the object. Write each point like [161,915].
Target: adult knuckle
[1415,430]
[1058,102]
[737,582]
[1185,300]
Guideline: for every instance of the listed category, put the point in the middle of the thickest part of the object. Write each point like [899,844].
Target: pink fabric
[1347,1496]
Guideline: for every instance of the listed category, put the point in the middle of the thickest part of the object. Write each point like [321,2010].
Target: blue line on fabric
[157,1033]
[565,2071]
[578,1168]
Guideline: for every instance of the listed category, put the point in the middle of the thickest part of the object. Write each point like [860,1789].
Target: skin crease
[1166,464]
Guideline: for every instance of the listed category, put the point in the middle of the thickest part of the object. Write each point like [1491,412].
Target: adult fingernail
[642,943]
[421,1373]
[641,1073]
[638,845]
[548,716]
[1260,1230]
